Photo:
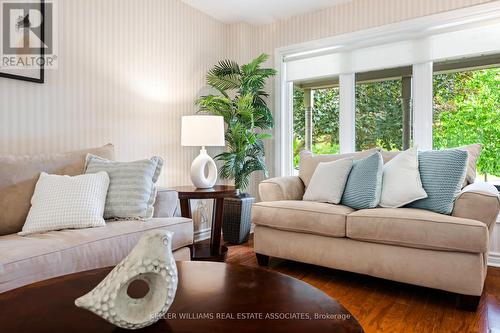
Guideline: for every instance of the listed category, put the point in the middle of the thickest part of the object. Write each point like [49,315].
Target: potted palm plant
[241,100]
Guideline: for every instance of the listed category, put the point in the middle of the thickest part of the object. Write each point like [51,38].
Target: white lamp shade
[199,131]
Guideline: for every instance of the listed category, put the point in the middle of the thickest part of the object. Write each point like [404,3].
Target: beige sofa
[402,244]
[27,259]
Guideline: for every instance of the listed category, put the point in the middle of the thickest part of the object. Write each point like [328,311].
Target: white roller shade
[437,47]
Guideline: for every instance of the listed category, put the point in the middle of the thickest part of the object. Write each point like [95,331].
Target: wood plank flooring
[385,306]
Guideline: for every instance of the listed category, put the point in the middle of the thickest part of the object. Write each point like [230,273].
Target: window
[466,111]
[379,115]
[322,121]
[371,113]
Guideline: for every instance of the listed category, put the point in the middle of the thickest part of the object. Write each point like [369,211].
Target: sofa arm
[281,188]
[478,201]
[166,203]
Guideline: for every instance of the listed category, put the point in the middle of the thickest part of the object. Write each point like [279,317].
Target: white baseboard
[494,259]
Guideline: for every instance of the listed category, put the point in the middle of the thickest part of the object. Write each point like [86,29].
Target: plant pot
[236,220]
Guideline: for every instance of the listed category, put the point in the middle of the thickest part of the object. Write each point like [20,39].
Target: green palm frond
[246,115]
[216,105]
[251,67]
[226,68]
[224,76]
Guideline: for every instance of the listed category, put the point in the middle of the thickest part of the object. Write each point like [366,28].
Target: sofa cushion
[302,216]
[417,228]
[309,161]
[364,185]
[402,169]
[387,156]
[65,202]
[442,173]
[132,189]
[474,152]
[38,257]
[328,182]
[19,174]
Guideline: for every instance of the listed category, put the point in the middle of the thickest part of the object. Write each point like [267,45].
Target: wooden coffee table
[211,297]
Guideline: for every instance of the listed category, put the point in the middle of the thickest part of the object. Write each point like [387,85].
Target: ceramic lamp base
[198,176]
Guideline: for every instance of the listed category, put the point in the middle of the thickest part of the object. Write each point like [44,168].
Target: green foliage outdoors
[242,103]
[325,120]
[379,115]
[466,110]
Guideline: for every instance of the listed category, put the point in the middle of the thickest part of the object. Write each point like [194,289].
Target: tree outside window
[325,131]
[379,115]
[466,111]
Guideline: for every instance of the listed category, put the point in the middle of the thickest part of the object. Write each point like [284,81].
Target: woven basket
[236,221]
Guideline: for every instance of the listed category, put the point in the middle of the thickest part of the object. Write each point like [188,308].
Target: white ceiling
[258,12]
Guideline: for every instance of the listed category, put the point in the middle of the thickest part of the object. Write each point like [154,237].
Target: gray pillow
[132,191]
[442,173]
[364,185]
[474,151]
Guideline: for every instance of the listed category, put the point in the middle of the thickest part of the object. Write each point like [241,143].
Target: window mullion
[347,113]
[422,95]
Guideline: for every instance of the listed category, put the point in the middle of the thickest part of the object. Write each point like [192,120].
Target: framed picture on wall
[23,39]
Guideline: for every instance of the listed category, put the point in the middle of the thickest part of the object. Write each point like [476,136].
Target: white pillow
[328,181]
[401,182]
[64,202]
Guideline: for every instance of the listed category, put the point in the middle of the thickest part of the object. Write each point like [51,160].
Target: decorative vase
[237,221]
[151,261]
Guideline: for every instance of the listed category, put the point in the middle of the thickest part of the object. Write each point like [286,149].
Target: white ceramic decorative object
[151,261]
[198,176]
[203,131]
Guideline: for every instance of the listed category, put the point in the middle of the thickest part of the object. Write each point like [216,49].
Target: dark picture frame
[41,71]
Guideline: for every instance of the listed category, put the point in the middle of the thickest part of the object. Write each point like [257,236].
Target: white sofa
[28,259]
[402,244]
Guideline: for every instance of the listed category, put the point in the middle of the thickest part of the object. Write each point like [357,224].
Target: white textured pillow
[328,181]
[64,202]
[401,182]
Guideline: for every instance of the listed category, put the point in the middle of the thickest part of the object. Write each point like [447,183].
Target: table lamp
[203,131]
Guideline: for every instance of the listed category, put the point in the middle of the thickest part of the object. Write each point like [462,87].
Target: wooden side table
[214,251]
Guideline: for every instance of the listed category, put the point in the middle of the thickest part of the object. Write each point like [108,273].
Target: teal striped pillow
[364,185]
[442,173]
[132,190]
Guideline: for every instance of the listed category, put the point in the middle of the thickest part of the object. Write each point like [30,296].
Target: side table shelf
[213,251]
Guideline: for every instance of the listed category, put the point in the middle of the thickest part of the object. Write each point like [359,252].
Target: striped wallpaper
[128,70]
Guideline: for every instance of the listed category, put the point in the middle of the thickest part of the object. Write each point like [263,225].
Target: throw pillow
[401,182]
[309,161]
[19,175]
[474,153]
[364,184]
[64,202]
[132,190]
[442,173]
[389,155]
[328,181]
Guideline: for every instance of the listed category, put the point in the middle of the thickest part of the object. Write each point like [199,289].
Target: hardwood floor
[386,306]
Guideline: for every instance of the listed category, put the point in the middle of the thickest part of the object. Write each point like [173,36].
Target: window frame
[422,80]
